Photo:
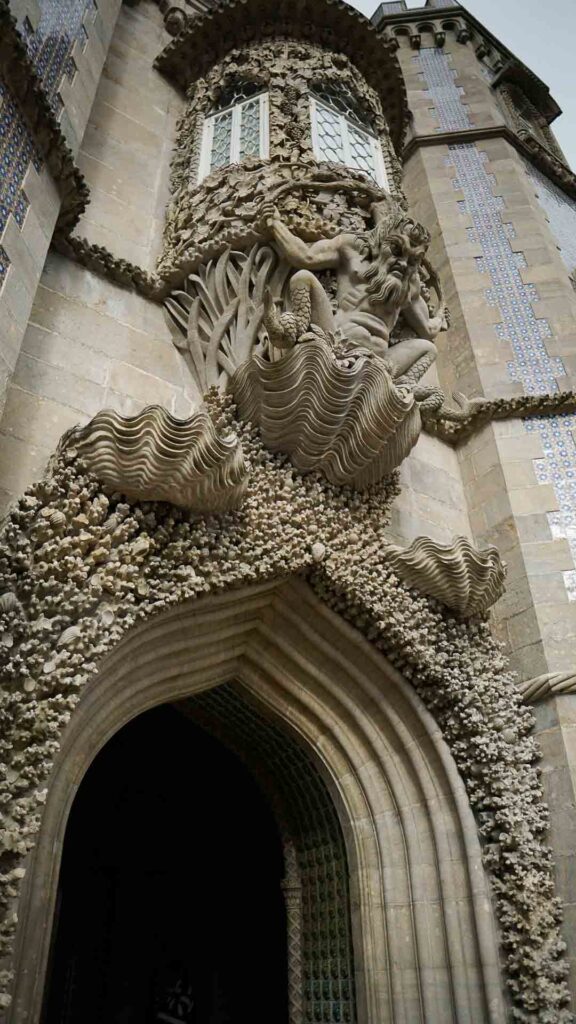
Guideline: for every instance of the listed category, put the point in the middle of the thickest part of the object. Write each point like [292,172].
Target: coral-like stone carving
[340,414]
[155,457]
[463,578]
[75,557]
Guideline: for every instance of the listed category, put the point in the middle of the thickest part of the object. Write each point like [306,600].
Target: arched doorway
[425,942]
[170,902]
[204,877]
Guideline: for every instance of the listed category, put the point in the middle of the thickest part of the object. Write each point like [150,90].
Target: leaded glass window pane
[329,134]
[339,138]
[221,140]
[361,151]
[250,129]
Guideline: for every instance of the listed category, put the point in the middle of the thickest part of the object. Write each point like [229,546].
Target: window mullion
[264,129]
[235,133]
[348,159]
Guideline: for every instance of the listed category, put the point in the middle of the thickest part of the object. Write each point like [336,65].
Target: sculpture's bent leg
[310,305]
[310,302]
[410,359]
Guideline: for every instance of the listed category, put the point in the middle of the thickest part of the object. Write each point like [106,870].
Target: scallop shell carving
[465,579]
[344,417]
[54,516]
[69,636]
[155,457]
[9,603]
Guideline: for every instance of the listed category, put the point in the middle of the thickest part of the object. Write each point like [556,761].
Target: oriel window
[236,130]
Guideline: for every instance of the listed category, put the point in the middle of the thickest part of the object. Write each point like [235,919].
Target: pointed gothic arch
[424,935]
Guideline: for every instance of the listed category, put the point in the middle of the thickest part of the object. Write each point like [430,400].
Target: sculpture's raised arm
[417,314]
[302,255]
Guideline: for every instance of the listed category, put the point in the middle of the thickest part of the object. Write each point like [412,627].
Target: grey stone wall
[25,238]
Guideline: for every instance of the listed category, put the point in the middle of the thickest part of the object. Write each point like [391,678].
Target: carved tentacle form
[346,418]
[155,457]
[459,575]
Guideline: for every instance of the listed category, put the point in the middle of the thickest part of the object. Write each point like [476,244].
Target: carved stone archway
[424,934]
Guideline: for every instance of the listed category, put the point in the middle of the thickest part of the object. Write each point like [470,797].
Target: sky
[541,33]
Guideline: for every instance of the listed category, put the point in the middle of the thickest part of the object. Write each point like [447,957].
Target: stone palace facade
[288,563]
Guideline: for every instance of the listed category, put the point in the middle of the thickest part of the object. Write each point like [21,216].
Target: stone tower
[287,574]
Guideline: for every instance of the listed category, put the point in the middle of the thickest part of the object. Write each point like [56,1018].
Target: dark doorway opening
[170,904]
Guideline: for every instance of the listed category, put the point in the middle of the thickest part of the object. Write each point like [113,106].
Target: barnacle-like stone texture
[84,566]
[155,457]
[342,415]
[458,574]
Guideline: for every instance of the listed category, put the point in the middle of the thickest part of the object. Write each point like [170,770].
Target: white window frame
[235,141]
[377,154]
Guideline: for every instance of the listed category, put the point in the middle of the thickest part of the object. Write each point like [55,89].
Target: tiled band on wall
[17,152]
[520,326]
[50,47]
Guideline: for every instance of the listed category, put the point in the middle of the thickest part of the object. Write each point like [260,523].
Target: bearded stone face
[394,253]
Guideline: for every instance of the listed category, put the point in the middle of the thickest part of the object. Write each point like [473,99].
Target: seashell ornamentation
[465,579]
[345,417]
[54,516]
[9,603]
[69,636]
[155,457]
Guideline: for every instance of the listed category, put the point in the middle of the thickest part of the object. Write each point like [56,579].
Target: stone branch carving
[459,575]
[155,457]
[101,261]
[78,568]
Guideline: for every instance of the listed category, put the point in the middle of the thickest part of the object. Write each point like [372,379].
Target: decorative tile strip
[17,151]
[41,122]
[50,46]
